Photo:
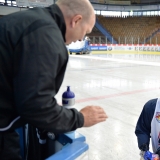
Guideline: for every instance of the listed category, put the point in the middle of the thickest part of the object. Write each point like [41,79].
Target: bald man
[33,60]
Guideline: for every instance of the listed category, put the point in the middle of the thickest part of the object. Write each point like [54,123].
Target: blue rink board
[70,151]
[73,145]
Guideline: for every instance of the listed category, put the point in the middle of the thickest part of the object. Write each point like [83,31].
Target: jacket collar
[58,17]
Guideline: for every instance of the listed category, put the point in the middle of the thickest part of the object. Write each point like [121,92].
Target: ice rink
[121,84]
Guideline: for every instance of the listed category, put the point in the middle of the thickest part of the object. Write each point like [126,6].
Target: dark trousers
[37,151]
[9,146]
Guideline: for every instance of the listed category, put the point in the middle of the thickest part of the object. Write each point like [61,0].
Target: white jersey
[155,127]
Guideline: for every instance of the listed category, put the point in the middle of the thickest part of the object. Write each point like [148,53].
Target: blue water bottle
[68,98]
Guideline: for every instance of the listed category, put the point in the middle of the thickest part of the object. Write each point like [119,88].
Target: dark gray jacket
[33,59]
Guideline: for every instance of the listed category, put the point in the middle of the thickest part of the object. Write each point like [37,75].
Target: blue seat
[22,134]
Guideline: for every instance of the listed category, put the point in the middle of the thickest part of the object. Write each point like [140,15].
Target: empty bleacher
[131,30]
[97,37]
[155,39]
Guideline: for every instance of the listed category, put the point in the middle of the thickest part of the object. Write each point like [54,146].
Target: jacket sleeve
[143,127]
[40,60]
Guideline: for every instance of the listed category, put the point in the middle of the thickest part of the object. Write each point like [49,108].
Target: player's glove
[144,147]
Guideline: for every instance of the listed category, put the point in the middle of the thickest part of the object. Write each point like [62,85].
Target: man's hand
[93,115]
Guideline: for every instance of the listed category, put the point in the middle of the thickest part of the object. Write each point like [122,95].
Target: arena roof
[102,5]
[126,2]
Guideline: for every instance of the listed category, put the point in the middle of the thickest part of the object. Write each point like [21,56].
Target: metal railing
[125,40]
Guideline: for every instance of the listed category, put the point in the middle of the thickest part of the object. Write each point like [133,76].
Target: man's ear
[76,20]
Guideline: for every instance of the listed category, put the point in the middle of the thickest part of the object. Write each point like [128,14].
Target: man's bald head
[79,18]
[75,7]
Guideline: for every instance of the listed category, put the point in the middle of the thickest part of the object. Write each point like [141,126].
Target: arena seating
[96,36]
[131,30]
